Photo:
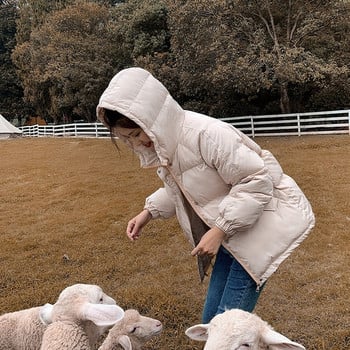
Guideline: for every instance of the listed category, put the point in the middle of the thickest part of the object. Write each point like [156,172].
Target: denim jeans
[230,287]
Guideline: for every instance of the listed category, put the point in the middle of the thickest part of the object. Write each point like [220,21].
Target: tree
[245,48]
[68,61]
[221,57]
[143,27]
[32,14]
[11,94]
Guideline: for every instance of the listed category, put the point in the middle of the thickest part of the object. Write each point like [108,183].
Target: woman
[231,198]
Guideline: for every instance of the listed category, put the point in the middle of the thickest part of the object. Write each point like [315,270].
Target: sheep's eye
[133,330]
[101,300]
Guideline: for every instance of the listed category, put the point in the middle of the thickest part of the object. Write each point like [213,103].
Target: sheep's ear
[101,314]
[45,314]
[277,341]
[125,342]
[198,332]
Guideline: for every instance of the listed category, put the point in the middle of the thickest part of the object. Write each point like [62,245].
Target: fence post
[349,120]
[252,125]
[298,122]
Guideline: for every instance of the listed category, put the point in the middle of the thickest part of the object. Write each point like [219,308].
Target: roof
[7,129]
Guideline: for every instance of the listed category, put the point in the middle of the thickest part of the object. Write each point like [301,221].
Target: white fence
[66,130]
[297,124]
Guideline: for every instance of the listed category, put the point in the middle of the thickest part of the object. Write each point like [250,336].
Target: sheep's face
[141,327]
[73,301]
[91,293]
[232,333]
[240,330]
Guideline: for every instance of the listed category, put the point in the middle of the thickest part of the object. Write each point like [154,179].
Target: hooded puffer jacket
[227,179]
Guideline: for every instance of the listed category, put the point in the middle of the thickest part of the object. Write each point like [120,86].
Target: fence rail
[294,124]
[297,124]
[66,130]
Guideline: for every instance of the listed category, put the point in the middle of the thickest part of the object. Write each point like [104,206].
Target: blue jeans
[230,287]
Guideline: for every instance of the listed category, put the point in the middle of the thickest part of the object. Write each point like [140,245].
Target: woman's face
[137,137]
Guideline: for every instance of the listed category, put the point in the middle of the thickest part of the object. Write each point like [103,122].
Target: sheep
[21,330]
[240,330]
[131,332]
[78,318]
[24,329]
[94,295]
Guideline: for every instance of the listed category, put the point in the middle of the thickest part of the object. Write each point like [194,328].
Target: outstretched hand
[135,225]
[209,243]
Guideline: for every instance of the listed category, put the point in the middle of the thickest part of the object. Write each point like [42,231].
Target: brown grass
[75,196]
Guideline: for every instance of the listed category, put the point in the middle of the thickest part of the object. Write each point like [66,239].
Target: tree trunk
[284,98]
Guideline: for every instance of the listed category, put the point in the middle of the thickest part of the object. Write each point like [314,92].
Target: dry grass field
[73,198]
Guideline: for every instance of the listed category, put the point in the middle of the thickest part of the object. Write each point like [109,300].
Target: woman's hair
[112,119]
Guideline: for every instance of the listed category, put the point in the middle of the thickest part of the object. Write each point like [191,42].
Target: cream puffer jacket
[229,181]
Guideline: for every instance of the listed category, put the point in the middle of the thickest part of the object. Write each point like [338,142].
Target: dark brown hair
[113,119]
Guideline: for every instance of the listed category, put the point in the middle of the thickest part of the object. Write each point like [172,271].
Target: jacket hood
[136,94]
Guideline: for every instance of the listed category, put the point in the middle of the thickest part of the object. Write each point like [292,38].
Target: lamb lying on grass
[240,330]
[21,330]
[77,319]
[131,332]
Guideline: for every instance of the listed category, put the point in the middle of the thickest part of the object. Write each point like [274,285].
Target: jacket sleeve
[160,205]
[244,171]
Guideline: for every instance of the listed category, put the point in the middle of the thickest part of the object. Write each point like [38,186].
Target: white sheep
[131,332]
[78,318]
[21,330]
[240,330]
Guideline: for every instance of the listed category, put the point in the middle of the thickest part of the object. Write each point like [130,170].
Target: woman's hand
[209,243]
[135,225]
